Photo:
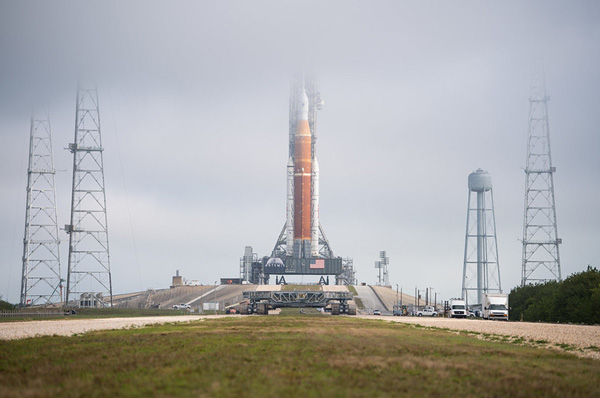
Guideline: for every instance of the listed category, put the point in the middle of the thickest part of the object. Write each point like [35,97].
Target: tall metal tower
[41,283]
[541,260]
[481,270]
[89,279]
[383,278]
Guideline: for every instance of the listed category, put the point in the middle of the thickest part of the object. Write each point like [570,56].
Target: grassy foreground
[301,356]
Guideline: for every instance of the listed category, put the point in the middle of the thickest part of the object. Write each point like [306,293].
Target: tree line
[5,305]
[574,300]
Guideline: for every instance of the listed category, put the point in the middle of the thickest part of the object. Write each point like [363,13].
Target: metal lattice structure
[481,269]
[41,282]
[541,259]
[89,279]
[348,275]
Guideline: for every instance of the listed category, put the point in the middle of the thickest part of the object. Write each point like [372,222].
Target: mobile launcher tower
[302,248]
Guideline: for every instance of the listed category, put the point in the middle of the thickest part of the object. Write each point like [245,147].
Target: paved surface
[370,300]
[580,336]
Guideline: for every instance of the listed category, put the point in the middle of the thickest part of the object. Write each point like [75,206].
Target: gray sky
[194,108]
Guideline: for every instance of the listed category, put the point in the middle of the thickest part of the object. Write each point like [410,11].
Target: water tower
[481,271]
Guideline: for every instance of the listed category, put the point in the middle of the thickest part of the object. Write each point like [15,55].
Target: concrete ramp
[389,296]
[265,288]
[370,300]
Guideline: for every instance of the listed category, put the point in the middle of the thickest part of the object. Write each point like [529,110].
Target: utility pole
[41,282]
[216,298]
[541,259]
[89,281]
[416,293]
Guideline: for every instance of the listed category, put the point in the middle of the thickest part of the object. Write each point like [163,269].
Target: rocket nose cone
[290,162]
[315,164]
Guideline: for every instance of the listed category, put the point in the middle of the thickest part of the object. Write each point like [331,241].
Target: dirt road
[69,327]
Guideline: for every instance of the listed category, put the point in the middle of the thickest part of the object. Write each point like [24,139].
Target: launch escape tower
[541,260]
[41,283]
[481,270]
[89,278]
[302,247]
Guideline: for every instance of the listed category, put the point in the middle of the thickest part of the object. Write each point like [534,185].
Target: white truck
[458,308]
[495,306]
[427,311]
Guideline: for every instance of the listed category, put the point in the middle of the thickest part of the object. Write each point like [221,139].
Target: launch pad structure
[302,247]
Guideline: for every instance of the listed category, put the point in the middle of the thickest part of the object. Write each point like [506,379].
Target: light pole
[216,304]
[396,294]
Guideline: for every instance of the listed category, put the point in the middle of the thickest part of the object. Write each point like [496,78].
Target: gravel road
[69,327]
[579,336]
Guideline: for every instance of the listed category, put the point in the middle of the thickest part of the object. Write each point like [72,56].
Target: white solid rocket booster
[314,202]
[290,207]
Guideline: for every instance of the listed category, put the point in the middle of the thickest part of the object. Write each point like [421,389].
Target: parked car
[182,306]
[376,312]
[427,311]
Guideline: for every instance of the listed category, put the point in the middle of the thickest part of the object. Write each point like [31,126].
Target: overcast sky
[194,111]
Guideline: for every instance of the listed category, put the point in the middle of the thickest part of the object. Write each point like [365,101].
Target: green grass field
[292,355]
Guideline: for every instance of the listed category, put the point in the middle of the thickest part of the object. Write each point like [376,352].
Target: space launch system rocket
[302,235]
[302,247]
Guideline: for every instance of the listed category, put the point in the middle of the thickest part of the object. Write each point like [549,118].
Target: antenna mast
[541,260]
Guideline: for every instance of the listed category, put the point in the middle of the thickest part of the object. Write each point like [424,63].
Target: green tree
[576,300]
[5,305]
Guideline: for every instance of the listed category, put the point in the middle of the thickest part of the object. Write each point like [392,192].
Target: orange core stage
[302,181]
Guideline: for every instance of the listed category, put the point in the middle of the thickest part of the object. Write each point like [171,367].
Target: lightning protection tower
[481,271]
[89,279]
[383,278]
[41,283]
[541,260]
